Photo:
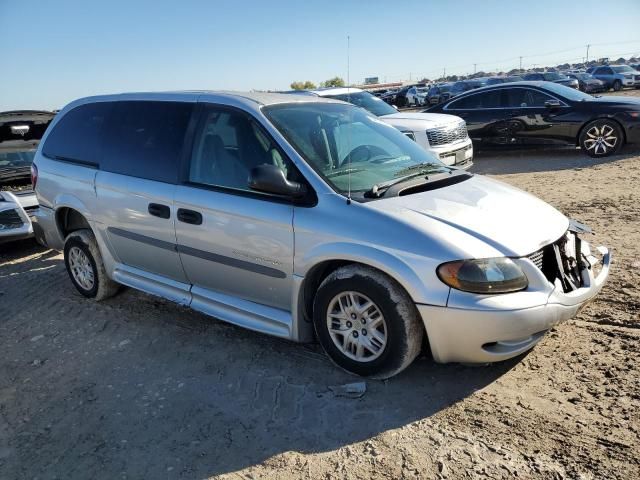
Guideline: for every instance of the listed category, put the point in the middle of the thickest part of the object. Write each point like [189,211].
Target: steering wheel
[363,153]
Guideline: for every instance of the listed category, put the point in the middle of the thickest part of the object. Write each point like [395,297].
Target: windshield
[568,92]
[326,135]
[622,69]
[16,159]
[367,101]
[551,77]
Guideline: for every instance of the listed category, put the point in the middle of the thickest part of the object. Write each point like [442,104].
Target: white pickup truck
[444,135]
[20,134]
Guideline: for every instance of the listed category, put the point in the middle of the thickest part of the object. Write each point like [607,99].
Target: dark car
[529,113]
[400,98]
[462,86]
[554,77]
[588,83]
[389,96]
[617,76]
[439,93]
[496,80]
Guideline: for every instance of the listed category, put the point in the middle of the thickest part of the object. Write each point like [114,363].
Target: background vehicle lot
[139,387]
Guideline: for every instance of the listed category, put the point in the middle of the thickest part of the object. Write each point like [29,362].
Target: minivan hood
[419,121]
[503,218]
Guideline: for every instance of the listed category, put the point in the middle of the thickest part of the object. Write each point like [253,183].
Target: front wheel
[601,138]
[617,85]
[366,323]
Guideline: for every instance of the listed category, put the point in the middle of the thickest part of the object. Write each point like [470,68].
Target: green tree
[333,82]
[306,85]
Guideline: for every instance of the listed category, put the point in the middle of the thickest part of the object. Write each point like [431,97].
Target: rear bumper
[483,332]
[46,230]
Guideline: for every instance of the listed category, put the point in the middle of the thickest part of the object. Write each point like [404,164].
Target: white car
[417,96]
[444,135]
[20,133]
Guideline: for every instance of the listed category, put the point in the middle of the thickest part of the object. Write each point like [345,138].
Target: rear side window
[491,99]
[144,139]
[76,137]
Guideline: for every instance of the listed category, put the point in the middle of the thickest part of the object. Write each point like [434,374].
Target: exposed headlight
[484,275]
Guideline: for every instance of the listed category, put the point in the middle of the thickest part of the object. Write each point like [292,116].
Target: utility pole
[588,52]
[474,68]
[444,73]
[520,64]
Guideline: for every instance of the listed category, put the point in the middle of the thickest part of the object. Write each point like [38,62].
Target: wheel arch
[68,220]
[323,265]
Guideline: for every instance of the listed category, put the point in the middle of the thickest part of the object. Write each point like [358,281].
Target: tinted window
[144,139]
[367,101]
[77,135]
[228,145]
[491,99]
[526,97]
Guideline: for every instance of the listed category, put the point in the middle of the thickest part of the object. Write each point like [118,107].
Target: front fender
[415,273]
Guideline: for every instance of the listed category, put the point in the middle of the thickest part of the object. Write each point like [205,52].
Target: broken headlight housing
[484,275]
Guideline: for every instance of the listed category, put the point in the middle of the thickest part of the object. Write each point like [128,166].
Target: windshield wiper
[426,166]
[379,189]
[338,173]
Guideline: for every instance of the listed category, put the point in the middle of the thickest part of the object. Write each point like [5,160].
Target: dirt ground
[137,387]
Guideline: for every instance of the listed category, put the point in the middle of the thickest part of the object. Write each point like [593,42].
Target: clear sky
[55,51]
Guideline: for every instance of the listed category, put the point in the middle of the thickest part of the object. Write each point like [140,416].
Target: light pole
[588,53]
[520,64]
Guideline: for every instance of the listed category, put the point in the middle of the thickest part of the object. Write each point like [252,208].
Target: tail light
[34,175]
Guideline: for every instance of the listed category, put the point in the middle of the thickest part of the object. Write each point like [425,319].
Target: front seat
[219,167]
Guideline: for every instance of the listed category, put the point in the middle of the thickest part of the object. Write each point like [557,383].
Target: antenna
[349,126]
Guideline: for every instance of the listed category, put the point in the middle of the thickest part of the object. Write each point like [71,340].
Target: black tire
[102,286]
[601,131]
[402,324]
[617,86]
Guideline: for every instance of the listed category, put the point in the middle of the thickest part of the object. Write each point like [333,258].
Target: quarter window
[145,139]
[228,145]
[76,137]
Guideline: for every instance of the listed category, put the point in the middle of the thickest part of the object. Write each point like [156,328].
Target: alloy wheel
[601,139]
[81,268]
[356,326]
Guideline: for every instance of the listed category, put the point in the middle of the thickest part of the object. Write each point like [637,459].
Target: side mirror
[553,103]
[270,179]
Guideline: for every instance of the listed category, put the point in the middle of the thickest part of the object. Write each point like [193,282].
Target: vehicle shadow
[502,162]
[141,386]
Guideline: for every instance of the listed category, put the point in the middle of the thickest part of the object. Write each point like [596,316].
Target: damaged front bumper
[489,328]
[16,211]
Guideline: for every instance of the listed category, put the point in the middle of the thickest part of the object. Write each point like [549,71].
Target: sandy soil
[136,387]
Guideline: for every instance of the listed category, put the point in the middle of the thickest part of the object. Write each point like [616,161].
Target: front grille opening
[555,262]
[446,135]
[10,219]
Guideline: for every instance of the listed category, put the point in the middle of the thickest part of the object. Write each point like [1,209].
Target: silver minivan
[304,218]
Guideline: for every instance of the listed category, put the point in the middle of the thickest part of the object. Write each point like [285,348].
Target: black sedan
[539,113]
[588,83]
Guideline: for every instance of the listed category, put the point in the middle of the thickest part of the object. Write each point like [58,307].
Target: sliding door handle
[189,216]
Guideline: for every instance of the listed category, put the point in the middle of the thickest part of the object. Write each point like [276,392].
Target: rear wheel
[366,323]
[617,85]
[601,138]
[85,266]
